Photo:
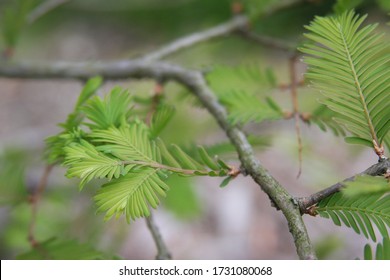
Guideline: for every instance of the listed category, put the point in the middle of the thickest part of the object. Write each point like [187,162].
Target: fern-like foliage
[160,119]
[324,118]
[243,90]
[131,194]
[250,78]
[111,111]
[359,213]
[349,64]
[87,163]
[124,150]
[382,251]
[55,145]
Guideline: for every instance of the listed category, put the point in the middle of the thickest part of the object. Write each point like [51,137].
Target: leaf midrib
[142,181]
[358,86]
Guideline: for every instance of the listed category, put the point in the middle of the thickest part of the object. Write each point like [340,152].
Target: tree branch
[295,109]
[377,169]
[44,8]
[270,42]
[162,250]
[238,23]
[223,29]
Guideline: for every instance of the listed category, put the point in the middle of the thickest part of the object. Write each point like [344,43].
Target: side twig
[43,9]
[188,41]
[162,250]
[34,201]
[295,109]
[157,94]
[238,23]
[266,41]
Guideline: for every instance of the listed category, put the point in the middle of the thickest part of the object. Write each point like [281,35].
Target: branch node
[234,171]
[312,211]
[379,150]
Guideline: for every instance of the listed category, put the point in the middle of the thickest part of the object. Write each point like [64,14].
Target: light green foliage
[87,163]
[382,251]
[75,118]
[55,144]
[131,194]
[111,111]
[358,213]
[127,142]
[119,147]
[160,119]
[54,249]
[243,91]
[366,185]
[349,64]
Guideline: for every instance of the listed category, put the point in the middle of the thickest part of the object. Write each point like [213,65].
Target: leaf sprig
[117,146]
[359,213]
[350,65]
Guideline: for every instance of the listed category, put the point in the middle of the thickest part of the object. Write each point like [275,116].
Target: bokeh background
[198,220]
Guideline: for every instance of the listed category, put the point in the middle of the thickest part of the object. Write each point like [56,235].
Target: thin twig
[378,169]
[270,42]
[195,38]
[282,86]
[34,201]
[157,94]
[43,9]
[294,98]
[239,22]
[162,250]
